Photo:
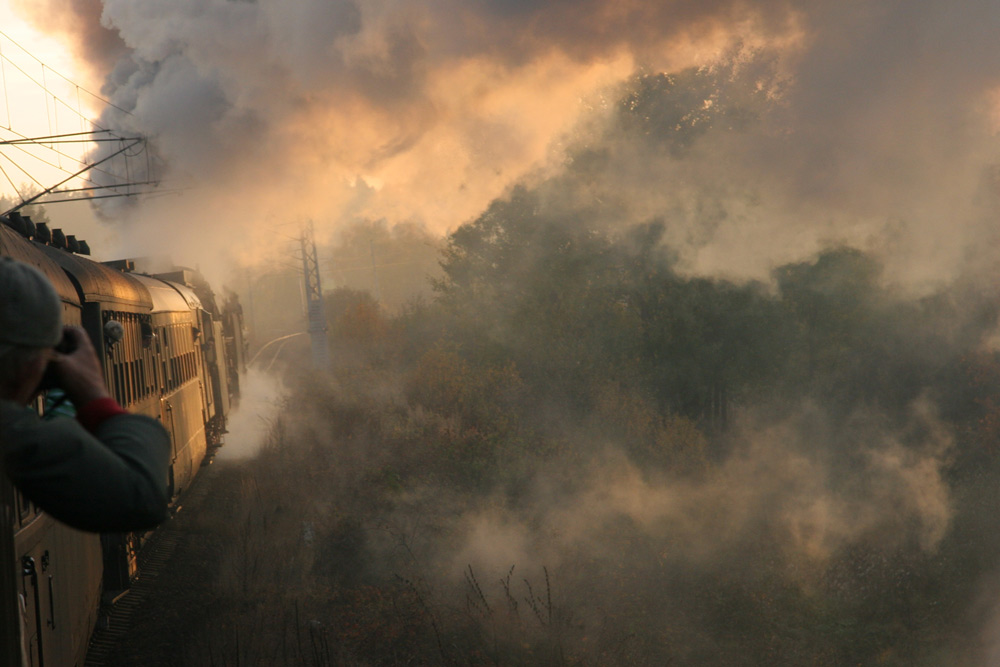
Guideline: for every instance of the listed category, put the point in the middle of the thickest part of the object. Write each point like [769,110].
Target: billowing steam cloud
[261,400]
[871,124]
[336,110]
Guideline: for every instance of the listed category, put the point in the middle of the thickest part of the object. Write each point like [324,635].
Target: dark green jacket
[113,480]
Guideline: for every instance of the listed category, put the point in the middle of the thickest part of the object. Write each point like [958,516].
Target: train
[171,350]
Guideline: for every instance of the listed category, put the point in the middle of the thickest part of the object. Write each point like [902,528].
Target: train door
[206,353]
[34,559]
[30,596]
[167,419]
[46,596]
[10,613]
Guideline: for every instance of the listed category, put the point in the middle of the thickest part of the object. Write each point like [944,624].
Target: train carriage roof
[98,282]
[166,297]
[15,246]
[194,303]
[195,281]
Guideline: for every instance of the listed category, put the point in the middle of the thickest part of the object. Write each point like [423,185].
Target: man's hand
[79,371]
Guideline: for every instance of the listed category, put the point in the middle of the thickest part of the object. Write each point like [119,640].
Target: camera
[64,346]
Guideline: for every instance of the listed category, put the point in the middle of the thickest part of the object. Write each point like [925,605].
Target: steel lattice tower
[314,300]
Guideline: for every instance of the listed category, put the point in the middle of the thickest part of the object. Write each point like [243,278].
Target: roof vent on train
[84,248]
[72,243]
[31,229]
[15,222]
[42,233]
[58,239]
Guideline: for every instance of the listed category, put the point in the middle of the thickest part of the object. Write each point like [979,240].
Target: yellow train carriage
[58,569]
[182,406]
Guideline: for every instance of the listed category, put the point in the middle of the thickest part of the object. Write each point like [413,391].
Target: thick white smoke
[262,398]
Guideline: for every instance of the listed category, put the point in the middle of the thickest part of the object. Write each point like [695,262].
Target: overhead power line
[108,169]
[46,67]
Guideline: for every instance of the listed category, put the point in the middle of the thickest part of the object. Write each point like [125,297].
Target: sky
[265,116]
[33,62]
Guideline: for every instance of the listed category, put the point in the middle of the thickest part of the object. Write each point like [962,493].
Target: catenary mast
[314,300]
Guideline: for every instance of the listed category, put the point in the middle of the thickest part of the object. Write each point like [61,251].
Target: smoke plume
[881,127]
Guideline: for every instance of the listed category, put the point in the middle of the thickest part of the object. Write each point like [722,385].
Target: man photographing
[105,470]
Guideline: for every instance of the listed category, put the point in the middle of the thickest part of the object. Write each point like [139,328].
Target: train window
[122,368]
[116,382]
[114,357]
[154,379]
[130,370]
[144,343]
[146,331]
[127,356]
[165,358]
[133,354]
[178,350]
[182,353]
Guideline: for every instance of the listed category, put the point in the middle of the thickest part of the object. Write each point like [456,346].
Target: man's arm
[113,480]
[105,471]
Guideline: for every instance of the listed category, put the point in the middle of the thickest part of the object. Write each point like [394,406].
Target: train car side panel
[59,569]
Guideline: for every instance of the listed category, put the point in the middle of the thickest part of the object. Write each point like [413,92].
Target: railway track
[172,548]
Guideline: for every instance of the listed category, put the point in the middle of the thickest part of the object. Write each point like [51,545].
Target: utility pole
[314,300]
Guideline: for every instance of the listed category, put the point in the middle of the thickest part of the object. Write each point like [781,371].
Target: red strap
[94,413]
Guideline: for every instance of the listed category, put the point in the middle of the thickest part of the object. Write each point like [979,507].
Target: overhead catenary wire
[25,202]
[40,84]
[72,83]
[8,178]
[23,171]
[3,82]
[129,143]
[53,151]
[39,142]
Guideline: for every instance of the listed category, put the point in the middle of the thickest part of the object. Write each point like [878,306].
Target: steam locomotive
[170,350]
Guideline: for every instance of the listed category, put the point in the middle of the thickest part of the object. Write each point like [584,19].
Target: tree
[36,212]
